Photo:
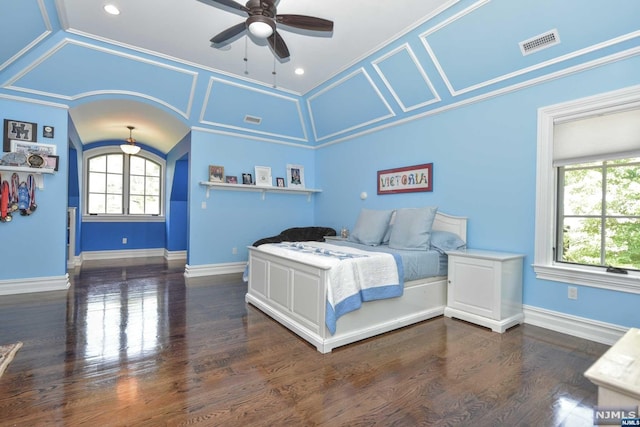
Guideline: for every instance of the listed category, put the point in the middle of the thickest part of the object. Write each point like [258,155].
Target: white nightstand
[485,288]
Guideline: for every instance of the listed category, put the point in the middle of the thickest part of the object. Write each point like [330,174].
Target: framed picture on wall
[280,182]
[231,179]
[247,179]
[15,130]
[295,176]
[408,179]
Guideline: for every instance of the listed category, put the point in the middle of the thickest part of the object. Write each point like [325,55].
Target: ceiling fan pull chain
[275,85]
[246,56]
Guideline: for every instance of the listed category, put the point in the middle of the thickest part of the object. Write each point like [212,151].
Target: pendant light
[130,147]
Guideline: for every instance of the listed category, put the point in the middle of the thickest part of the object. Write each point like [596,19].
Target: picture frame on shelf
[231,179]
[263,176]
[216,173]
[247,179]
[33,148]
[295,176]
[280,182]
[51,162]
[16,130]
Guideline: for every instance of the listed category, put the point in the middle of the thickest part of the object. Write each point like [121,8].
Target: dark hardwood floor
[131,345]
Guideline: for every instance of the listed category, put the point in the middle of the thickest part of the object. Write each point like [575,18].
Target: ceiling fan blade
[232,4]
[229,33]
[305,22]
[278,45]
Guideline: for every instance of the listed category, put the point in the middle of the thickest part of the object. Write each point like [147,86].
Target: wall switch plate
[124,240]
[573,292]
[204,205]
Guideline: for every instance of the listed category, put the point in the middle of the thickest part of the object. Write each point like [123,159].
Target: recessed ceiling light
[111,9]
[299,71]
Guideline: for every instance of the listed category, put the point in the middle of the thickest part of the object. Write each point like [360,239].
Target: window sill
[123,218]
[629,283]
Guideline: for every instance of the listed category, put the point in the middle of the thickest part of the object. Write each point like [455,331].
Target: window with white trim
[119,185]
[599,214]
[587,198]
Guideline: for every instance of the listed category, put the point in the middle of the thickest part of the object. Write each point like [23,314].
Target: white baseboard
[581,327]
[74,262]
[191,271]
[128,253]
[34,284]
[175,255]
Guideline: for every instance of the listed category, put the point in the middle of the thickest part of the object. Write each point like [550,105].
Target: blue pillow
[443,241]
[412,228]
[370,227]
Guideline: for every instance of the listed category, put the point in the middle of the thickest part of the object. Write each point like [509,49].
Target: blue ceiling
[468,52]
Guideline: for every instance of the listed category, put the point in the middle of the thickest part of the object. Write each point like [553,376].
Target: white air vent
[542,41]
[253,120]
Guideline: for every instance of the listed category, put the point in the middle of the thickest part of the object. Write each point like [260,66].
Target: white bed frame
[295,293]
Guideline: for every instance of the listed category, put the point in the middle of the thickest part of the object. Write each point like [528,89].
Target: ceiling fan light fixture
[261,26]
[130,147]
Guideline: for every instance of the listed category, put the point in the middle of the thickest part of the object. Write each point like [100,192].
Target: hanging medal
[23,198]
[5,216]
[15,182]
[31,184]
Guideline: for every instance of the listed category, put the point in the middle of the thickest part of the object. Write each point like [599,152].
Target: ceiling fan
[262,24]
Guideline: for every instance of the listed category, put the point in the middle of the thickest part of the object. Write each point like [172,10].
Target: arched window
[119,185]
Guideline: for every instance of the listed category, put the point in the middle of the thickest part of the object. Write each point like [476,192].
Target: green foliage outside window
[600,221]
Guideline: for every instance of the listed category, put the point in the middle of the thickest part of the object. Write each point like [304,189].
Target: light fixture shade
[261,26]
[130,148]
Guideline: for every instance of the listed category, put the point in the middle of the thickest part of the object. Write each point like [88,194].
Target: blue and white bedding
[355,275]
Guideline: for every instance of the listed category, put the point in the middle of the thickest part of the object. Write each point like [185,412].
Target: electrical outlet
[573,292]
[234,251]
[204,205]
[124,240]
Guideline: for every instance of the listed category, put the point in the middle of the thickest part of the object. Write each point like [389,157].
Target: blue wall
[37,243]
[237,219]
[177,205]
[484,157]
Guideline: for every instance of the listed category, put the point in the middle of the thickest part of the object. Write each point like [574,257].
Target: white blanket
[354,275]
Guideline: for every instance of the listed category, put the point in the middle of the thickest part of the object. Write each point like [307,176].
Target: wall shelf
[257,188]
[24,172]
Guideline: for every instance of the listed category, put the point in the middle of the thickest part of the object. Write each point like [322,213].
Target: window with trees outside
[599,214]
[121,185]
[588,192]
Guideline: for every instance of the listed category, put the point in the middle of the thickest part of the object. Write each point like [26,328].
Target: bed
[294,293]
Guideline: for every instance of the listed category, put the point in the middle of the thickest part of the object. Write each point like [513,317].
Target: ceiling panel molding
[449,105]
[33,101]
[423,38]
[275,111]
[252,137]
[348,104]
[405,78]
[32,35]
[519,66]
[179,61]
[90,70]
